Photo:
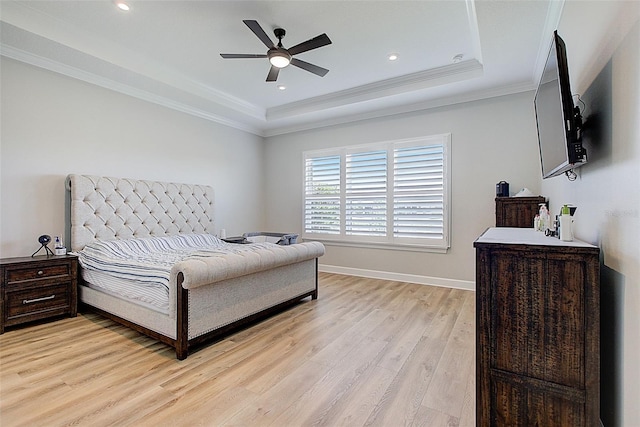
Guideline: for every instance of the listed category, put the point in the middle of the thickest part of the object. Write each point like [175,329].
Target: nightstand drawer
[37,288]
[39,300]
[42,272]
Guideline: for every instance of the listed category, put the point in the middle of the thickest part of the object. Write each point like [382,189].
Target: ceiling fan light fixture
[279,58]
[122,5]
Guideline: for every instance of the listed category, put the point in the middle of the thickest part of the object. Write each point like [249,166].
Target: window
[392,194]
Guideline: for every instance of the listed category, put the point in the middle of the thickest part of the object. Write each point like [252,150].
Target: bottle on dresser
[543,219]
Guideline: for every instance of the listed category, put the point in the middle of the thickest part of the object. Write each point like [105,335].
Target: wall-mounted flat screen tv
[558,121]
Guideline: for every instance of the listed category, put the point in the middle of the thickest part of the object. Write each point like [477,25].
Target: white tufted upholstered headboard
[106,208]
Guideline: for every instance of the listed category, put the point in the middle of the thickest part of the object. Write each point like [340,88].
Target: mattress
[139,270]
[154,297]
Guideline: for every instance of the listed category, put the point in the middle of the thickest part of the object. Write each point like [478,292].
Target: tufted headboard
[105,208]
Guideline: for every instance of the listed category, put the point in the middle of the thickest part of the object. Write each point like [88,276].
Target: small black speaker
[502,189]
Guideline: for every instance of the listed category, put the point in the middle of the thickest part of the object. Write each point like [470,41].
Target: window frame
[389,241]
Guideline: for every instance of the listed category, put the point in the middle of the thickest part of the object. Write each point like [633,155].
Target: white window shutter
[322,195]
[418,208]
[392,194]
[366,193]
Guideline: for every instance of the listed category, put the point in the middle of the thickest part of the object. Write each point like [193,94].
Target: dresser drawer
[16,274]
[37,301]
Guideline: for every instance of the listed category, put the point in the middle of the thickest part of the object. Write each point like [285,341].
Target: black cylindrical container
[502,189]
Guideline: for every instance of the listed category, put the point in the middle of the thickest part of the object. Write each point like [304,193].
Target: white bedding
[140,269]
[153,297]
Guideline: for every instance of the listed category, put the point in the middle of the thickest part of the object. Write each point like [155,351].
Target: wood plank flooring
[366,353]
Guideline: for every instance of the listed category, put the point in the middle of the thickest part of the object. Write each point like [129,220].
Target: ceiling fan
[279,57]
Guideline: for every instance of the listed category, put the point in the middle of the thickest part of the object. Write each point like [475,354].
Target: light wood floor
[367,352]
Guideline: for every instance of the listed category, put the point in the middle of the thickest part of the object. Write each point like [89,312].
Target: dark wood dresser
[517,211]
[37,288]
[538,330]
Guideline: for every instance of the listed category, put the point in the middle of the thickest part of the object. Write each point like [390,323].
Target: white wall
[603,47]
[491,140]
[53,125]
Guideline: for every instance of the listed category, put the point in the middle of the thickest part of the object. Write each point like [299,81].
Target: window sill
[371,245]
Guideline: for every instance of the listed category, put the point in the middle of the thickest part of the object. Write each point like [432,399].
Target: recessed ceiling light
[282,87]
[457,58]
[392,56]
[122,5]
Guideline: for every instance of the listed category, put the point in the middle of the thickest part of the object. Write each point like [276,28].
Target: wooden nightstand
[37,288]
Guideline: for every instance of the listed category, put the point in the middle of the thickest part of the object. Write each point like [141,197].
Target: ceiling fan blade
[309,67]
[273,74]
[258,31]
[242,55]
[314,43]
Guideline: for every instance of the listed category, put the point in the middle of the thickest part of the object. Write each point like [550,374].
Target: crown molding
[474,30]
[551,23]
[372,91]
[35,38]
[76,73]
[403,109]
[28,29]
[259,130]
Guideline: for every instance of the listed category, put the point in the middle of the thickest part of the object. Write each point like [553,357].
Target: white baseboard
[399,277]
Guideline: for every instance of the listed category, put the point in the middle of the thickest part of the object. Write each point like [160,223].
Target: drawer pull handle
[29,301]
[40,272]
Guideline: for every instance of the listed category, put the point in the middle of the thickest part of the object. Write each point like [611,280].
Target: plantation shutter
[393,194]
[418,208]
[366,193]
[322,195]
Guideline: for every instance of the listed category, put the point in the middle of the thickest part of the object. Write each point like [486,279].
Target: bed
[209,293]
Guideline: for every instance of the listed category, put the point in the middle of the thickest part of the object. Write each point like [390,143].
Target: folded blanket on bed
[202,258]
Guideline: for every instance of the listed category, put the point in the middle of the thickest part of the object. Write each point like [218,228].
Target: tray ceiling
[168,52]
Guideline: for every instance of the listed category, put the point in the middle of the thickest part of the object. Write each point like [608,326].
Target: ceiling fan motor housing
[279,32]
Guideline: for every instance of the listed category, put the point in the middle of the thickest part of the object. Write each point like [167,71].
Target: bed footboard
[209,312]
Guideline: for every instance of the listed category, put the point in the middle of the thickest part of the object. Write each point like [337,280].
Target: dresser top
[526,236]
